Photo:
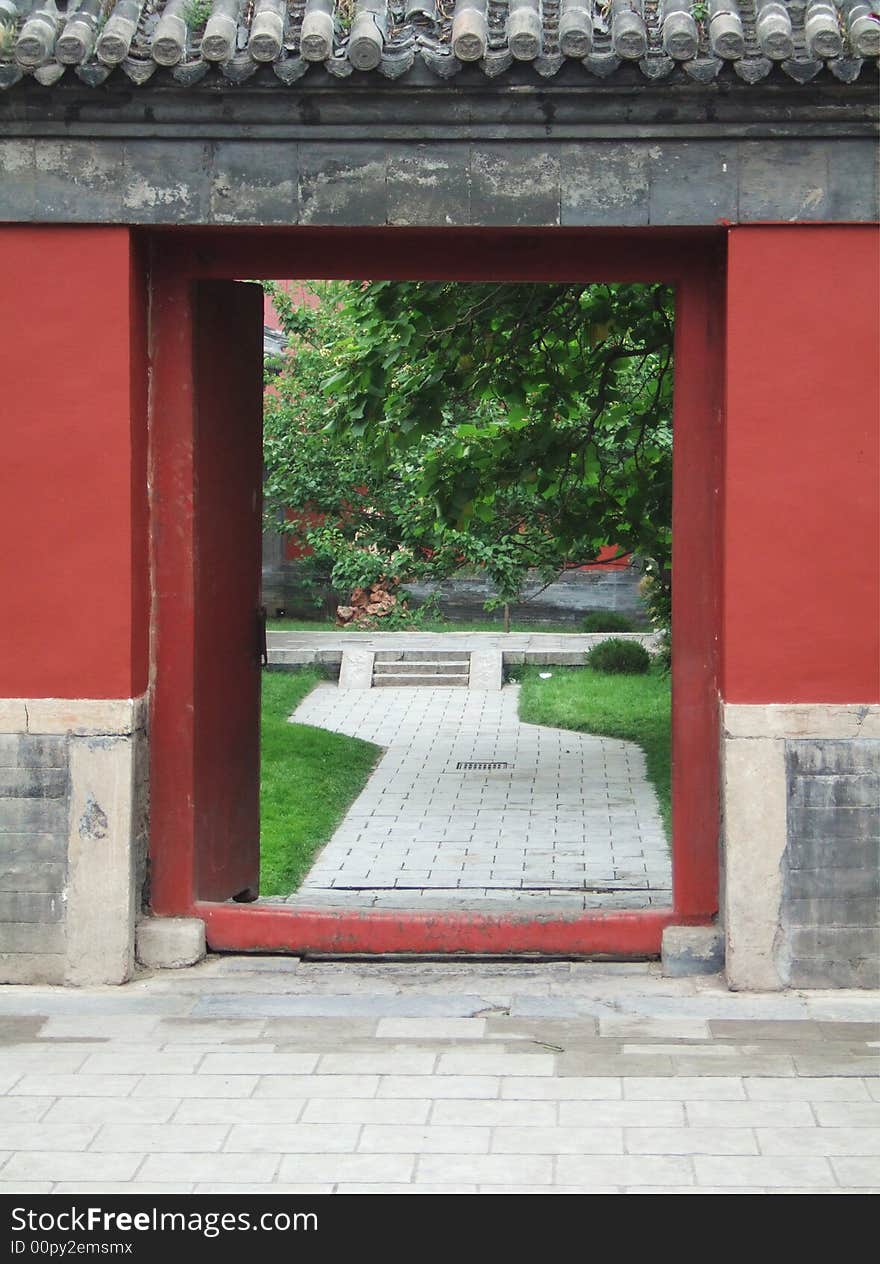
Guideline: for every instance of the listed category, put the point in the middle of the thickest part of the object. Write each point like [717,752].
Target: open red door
[228,467]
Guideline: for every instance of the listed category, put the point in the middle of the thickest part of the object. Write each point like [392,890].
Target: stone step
[422,656]
[424,667]
[460,680]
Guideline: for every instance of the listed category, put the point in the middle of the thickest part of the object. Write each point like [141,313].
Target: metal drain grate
[465,765]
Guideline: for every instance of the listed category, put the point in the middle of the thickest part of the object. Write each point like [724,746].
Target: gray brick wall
[34,790]
[831,867]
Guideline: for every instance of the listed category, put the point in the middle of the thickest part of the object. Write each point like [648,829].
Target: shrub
[607,621]
[624,657]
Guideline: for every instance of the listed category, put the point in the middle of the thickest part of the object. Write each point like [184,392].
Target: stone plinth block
[168,943]
[356,671]
[691,950]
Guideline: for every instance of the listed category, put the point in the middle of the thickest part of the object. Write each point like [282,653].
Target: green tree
[508,427]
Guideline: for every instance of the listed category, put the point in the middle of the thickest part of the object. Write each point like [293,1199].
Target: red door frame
[691,260]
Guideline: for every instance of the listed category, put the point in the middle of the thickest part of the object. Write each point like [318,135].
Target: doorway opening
[437,453]
[207,377]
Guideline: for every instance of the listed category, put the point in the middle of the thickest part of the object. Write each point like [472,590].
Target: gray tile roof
[234,39]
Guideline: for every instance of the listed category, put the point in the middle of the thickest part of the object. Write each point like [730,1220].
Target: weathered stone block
[832,883]
[826,972]
[854,185]
[32,847]
[33,783]
[356,671]
[32,937]
[166,184]
[31,967]
[694,182]
[38,816]
[857,790]
[169,943]
[840,839]
[604,183]
[825,909]
[21,873]
[515,184]
[687,950]
[429,184]
[17,194]
[30,906]
[783,180]
[343,184]
[840,943]
[859,755]
[78,181]
[255,184]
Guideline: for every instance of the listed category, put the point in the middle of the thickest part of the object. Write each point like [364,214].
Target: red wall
[73,576]
[802,466]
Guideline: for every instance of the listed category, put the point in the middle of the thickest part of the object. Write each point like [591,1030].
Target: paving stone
[808,1089]
[690,1140]
[297,1138]
[628,1169]
[107,1110]
[400,1188]
[477,1063]
[569,1088]
[684,1088]
[622,1114]
[456,1086]
[228,1111]
[141,1063]
[491,1113]
[185,1138]
[847,1114]
[307,1086]
[74,1085]
[279,1188]
[428,1139]
[48,1165]
[822,1065]
[769,1172]
[24,1109]
[123,1187]
[557,1140]
[710,1114]
[210,1167]
[25,1187]
[344,1005]
[861,1173]
[370,1168]
[822,1141]
[378,1062]
[258,1063]
[428,1028]
[531,1169]
[47,1136]
[325,1110]
[209,1086]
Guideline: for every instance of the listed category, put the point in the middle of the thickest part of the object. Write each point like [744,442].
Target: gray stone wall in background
[830,924]
[34,796]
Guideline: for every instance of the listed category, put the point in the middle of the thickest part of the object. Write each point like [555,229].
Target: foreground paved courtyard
[270,1074]
[565,821]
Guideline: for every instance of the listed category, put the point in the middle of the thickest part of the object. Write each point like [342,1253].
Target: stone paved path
[273,1075]
[569,823]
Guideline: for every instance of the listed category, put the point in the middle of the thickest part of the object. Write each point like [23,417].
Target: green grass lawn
[308,780]
[635,708]
[430,625]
